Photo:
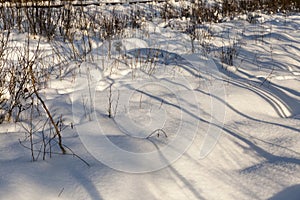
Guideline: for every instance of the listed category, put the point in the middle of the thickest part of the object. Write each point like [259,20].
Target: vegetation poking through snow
[25,72]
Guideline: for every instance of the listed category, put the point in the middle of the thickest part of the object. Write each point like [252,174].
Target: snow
[229,132]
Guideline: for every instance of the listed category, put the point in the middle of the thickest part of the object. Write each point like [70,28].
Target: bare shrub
[229,53]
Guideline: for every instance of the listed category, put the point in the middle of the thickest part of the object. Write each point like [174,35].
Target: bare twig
[58,153]
[47,110]
[157,131]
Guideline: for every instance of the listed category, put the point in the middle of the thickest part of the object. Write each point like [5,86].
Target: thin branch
[47,110]
[158,131]
[58,153]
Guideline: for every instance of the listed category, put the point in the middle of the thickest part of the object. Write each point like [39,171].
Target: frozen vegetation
[166,100]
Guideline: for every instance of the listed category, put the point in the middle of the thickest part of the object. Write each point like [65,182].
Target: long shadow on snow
[192,189]
[164,57]
[128,142]
[293,104]
[268,96]
[247,116]
[290,193]
[268,156]
[263,93]
[87,184]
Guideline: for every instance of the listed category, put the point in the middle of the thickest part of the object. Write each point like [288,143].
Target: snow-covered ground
[185,125]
